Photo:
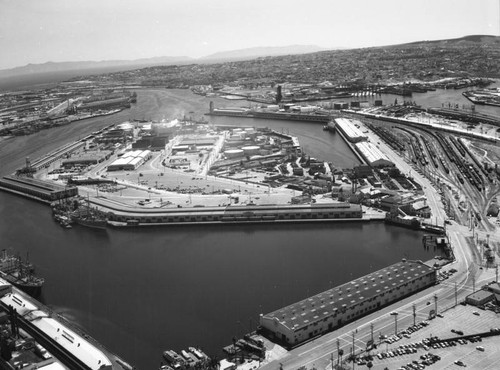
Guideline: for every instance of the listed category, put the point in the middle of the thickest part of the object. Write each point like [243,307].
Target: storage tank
[251,149]
[234,153]
[308,109]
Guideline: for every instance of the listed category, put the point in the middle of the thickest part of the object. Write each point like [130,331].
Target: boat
[193,358]
[20,274]
[174,359]
[89,217]
[98,223]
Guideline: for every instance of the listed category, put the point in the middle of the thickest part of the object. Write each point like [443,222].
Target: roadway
[322,352]
[318,353]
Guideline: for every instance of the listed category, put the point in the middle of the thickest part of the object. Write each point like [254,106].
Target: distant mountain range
[51,67]
[250,53]
[120,65]
[59,71]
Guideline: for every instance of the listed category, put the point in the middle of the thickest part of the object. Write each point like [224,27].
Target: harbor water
[143,291]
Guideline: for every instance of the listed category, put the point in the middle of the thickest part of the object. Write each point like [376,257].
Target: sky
[38,31]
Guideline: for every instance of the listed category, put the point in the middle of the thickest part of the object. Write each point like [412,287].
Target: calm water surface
[143,291]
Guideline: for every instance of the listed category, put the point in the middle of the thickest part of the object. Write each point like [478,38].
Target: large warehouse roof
[371,153]
[325,304]
[349,129]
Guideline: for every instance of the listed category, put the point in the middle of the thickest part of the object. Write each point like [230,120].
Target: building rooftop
[371,152]
[480,295]
[325,304]
[349,128]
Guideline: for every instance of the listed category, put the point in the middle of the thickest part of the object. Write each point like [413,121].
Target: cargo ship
[20,274]
[90,221]
[89,217]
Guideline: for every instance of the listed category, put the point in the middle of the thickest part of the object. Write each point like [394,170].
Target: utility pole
[456,298]
[353,351]
[371,330]
[338,352]
[435,304]
[414,314]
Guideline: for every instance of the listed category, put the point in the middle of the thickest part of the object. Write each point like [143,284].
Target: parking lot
[416,350]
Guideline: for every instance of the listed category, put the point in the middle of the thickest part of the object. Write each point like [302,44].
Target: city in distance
[271,208]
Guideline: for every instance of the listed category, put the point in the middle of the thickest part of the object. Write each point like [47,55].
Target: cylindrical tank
[234,153]
[251,149]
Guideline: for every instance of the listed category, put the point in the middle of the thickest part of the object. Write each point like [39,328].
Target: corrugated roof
[371,152]
[324,304]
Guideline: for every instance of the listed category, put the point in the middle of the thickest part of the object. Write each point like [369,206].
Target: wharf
[482,98]
[424,125]
[471,117]
[273,115]
[351,146]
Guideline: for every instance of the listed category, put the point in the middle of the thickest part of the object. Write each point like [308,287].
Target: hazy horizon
[36,32]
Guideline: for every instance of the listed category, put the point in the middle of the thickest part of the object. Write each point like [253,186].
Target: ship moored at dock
[54,342]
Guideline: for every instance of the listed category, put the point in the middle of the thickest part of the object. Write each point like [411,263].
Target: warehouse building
[338,306]
[350,129]
[130,161]
[480,298]
[372,155]
[44,190]
[87,159]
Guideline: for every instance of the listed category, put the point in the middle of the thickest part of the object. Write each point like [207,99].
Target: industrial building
[349,129]
[150,143]
[338,306]
[270,213]
[480,298]
[44,190]
[86,159]
[130,161]
[372,155]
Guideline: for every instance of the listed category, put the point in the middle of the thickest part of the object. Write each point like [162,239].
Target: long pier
[273,115]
